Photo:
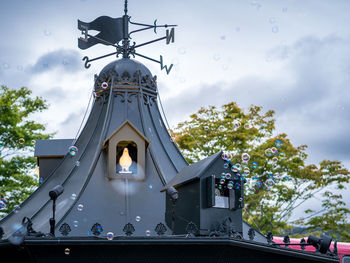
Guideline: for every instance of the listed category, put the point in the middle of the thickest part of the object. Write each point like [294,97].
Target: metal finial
[126,7]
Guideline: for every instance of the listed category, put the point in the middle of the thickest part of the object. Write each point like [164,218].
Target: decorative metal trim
[96,229]
[251,233]
[286,240]
[269,237]
[130,95]
[125,78]
[160,229]
[302,244]
[128,229]
[121,94]
[65,229]
[191,228]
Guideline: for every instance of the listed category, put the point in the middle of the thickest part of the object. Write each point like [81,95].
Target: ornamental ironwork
[96,229]
[64,229]
[128,229]
[160,229]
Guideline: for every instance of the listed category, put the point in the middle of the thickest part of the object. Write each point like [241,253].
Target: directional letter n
[171,36]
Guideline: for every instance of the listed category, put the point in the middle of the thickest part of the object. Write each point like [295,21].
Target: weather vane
[114,30]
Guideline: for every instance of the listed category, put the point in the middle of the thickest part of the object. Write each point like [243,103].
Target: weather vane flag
[112,31]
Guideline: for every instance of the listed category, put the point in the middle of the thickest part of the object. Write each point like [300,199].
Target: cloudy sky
[287,55]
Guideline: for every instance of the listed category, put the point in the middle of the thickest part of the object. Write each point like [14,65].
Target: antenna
[112,31]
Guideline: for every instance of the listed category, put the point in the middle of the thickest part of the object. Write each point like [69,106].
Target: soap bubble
[270,182]
[278,143]
[275,159]
[234,169]
[17,237]
[230,185]
[47,32]
[275,29]
[274,151]
[2,205]
[216,57]
[237,186]
[148,233]
[21,141]
[226,165]
[268,152]
[110,235]
[282,156]
[104,85]
[75,223]
[247,126]
[16,208]
[221,127]
[73,196]
[72,150]
[236,124]
[246,170]
[257,184]
[181,50]
[226,156]
[6,66]
[245,157]
[272,20]
[150,186]
[67,251]
[254,165]
[4,200]
[138,218]
[80,207]
[236,176]
[41,180]
[228,176]
[277,177]
[222,181]
[286,179]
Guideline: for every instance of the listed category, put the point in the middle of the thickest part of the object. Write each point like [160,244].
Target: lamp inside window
[222,194]
[126,157]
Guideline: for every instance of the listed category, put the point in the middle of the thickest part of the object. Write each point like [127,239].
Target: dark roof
[83,175]
[193,171]
[52,148]
[126,65]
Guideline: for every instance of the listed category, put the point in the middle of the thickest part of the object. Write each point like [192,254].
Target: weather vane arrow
[114,30]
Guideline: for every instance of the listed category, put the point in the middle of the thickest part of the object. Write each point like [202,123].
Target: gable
[126,130]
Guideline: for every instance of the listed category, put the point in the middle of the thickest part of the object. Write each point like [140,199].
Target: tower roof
[126,65]
[125,71]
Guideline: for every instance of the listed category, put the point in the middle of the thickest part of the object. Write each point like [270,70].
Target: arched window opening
[126,157]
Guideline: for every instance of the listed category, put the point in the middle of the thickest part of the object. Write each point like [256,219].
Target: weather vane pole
[114,30]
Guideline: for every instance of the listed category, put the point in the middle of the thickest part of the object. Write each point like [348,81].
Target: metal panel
[210,193]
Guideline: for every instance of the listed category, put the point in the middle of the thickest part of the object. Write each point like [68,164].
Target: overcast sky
[289,56]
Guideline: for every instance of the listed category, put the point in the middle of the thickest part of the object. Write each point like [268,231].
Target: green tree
[18,133]
[278,178]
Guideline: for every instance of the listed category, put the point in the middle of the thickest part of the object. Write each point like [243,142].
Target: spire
[126,7]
